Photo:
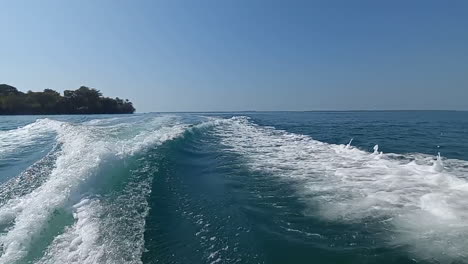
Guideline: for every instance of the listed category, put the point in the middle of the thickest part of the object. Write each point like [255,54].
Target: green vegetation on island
[84,100]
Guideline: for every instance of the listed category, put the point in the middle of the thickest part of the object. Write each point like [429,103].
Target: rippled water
[279,187]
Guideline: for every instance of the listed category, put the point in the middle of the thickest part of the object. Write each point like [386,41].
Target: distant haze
[243,55]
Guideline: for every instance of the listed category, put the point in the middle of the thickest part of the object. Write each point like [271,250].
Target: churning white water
[83,149]
[420,198]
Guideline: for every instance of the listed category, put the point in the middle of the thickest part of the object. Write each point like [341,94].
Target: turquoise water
[261,187]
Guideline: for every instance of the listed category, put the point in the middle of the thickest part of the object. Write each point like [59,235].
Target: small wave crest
[12,140]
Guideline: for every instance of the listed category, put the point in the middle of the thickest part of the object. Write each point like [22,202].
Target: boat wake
[416,200]
[86,200]
[83,150]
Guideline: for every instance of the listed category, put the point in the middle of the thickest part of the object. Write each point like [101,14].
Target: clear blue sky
[242,54]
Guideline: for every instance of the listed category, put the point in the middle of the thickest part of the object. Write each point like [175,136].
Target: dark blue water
[261,187]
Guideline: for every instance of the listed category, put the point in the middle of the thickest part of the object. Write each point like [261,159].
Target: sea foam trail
[11,140]
[421,199]
[107,230]
[29,179]
[83,149]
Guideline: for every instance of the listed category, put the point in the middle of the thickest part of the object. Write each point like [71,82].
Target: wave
[84,148]
[29,179]
[421,199]
[12,140]
[106,229]
[416,200]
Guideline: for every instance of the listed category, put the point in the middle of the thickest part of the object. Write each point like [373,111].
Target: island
[84,100]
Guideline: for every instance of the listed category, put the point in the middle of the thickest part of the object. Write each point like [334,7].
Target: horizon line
[265,111]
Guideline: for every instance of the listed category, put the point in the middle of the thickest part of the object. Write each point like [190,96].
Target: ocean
[243,187]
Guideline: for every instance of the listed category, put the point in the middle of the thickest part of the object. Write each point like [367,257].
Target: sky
[239,55]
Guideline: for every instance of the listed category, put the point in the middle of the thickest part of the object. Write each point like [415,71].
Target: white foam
[84,148]
[107,229]
[80,241]
[422,198]
[11,140]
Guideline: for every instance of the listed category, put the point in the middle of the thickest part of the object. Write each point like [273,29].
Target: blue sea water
[250,187]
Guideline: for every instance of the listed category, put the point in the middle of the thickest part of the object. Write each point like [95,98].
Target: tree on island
[84,100]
